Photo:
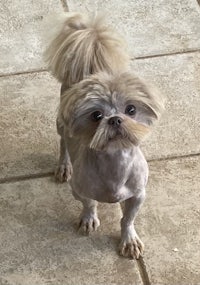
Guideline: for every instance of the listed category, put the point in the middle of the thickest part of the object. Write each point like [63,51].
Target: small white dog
[105,112]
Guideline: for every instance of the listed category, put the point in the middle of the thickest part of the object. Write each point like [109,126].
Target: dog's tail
[83,46]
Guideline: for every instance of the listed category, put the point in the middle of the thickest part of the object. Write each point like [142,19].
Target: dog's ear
[67,107]
[152,100]
[74,106]
[134,89]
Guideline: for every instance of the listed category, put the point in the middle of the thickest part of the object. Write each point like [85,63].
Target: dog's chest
[104,176]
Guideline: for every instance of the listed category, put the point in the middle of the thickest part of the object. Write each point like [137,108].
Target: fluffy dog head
[110,110]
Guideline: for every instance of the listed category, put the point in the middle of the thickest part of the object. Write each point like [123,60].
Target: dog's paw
[63,172]
[89,223]
[131,245]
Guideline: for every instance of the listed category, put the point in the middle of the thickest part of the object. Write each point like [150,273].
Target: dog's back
[82,47]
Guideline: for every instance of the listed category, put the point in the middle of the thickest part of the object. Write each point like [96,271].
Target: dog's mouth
[121,139]
[129,133]
[118,134]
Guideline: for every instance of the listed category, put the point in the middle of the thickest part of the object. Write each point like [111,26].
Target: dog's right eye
[130,110]
[96,116]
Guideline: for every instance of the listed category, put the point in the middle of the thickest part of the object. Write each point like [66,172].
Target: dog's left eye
[130,110]
[96,116]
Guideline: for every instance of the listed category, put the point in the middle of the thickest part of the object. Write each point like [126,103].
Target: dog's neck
[110,169]
[113,156]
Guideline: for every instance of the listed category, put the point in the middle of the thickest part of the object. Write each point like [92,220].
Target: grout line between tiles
[143,271]
[174,157]
[166,54]
[136,58]
[25,177]
[23,72]
[13,179]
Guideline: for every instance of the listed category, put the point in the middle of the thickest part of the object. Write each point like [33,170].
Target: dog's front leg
[64,170]
[131,245]
[89,219]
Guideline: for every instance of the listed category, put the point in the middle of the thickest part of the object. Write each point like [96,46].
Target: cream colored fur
[84,46]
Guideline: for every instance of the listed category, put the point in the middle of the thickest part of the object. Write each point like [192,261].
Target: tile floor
[39,243]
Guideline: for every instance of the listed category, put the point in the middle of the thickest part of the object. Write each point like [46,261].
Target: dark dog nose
[115,121]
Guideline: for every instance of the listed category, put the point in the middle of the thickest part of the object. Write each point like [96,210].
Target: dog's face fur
[110,110]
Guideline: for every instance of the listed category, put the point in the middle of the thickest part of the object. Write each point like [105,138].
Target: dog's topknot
[82,47]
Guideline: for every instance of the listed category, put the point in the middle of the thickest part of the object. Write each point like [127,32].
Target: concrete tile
[40,243]
[28,136]
[177,77]
[20,33]
[169,222]
[150,27]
